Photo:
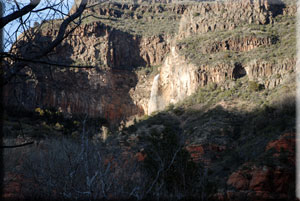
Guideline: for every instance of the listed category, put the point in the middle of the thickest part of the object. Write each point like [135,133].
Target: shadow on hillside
[230,138]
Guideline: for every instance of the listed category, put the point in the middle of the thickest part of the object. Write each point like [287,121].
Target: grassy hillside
[283,33]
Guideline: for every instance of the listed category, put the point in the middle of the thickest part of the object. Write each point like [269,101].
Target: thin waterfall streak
[153,101]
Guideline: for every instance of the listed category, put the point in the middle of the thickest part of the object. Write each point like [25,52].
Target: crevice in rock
[238,71]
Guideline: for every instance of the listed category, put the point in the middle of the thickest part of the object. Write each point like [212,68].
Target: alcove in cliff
[238,71]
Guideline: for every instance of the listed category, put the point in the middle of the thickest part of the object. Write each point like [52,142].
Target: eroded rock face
[213,16]
[114,91]
[100,45]
[180,79]
[275,72]
[207,17]
[242,44]
[100,92]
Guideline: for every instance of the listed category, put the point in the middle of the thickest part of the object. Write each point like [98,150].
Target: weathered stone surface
[205,17]
[242,44]
[203,153]
[114,91]
[85,92]
[179,78]
[276,73]
[100,92]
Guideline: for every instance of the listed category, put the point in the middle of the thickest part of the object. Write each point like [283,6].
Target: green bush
[212,86]
[254,86]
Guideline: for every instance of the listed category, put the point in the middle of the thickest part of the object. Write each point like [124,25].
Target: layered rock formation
[99,92]
[114,91]
[180,76]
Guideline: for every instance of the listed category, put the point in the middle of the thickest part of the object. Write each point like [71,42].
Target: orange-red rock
[261,180]
[238,180]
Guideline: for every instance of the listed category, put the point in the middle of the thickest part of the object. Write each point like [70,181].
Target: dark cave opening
[238,71]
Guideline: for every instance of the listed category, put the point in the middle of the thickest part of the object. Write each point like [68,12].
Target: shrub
[40,111]
[254,86]
[178,111]
[212,86]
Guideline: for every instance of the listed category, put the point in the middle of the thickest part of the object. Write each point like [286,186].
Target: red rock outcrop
[205,152]
[268,183]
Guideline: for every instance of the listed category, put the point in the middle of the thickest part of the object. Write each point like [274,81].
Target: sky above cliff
[15,28]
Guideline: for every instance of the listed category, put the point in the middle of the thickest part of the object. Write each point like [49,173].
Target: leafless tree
[21,25]
[82,169]
[89,169]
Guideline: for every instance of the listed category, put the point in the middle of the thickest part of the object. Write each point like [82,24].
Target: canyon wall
[228,15]
[180,76]
[115,90]
[99,92]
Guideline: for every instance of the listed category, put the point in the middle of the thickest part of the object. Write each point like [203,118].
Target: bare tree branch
[19,145]
[62,29]
[8,55]
[7,19]
[62,34]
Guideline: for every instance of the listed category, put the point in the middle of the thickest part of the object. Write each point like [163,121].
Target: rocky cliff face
[103,46]
[99,92]
[181,76]
[115,91]
[180,79]
[228,15]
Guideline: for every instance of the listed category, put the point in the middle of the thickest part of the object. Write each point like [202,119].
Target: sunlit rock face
[227,15]
[179,79]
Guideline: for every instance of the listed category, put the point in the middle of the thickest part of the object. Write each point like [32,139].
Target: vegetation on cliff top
[282,32]
[148,20]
